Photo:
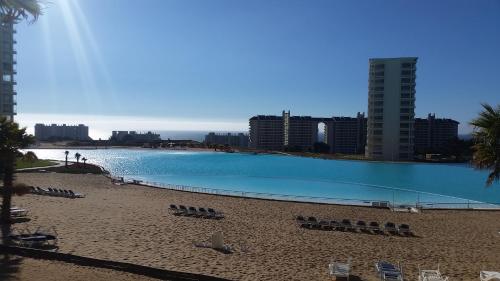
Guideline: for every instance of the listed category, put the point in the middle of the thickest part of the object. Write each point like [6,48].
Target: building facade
[299,132]
[61,132]
[134,137]
[233,140]
[346,135]
[433,134]
[267,132]
[343,134]
[7,68]
[391,109]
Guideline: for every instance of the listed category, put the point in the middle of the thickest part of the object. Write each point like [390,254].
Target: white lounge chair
[16,212]
[339,269]
[489,276]
[431,275]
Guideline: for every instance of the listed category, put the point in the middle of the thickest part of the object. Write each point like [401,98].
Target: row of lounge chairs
[208,213]
[347,225]
[40,238]
[385,271]
[390,272]
[56,192]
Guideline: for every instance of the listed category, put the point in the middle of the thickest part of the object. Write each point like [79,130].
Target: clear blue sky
[224,61]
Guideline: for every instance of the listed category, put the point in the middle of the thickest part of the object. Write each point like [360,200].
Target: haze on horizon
[185,65]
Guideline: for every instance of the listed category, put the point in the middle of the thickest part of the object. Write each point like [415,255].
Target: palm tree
[77,156]
[487,142]
[84,160]
[66,152]
[30,157]
[12,11]
[12,139]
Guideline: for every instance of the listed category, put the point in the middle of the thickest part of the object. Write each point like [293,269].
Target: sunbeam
[49,57]
[96,51]
[80,53]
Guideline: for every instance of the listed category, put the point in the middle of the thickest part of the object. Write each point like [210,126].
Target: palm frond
[16,10]
[487,142]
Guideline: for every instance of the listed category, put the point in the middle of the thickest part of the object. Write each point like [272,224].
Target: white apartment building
[391,109]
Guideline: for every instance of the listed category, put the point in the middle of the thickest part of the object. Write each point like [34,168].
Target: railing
[399,198]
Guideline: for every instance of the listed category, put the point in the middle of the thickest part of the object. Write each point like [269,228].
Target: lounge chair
[16,212]
[431,275]
[390,227]
[312,222]
[176,211]
[301,221]
[404,229]
[202,212]
[324,225]
[192,211]
[41,191]
[361,225]
[214,214]
[375,227]
[489,276]
[55,192]
[335,225]
[339,269]
[347,225]
[76,194]
[183,210]
[389,272]
[39,238]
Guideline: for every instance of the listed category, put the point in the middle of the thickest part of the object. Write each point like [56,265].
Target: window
[378,118]
[404,133]
[378,110]
[405,103]
[7,78]
[405,72]
[405,80]
[403,88]
[403,155]
[405,95]
[379,73]
[379,66]
[377,132]
[377,125]
[379,81]
[403,140]
[379,88]
[405,110]
[406,64]
[379,96]
[378,103]
[404,125]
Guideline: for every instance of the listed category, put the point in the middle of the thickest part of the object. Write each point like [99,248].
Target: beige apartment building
[391,109]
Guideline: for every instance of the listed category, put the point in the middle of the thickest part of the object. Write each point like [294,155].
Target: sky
[191,64]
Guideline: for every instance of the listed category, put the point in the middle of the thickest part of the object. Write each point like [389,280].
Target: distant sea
[190,135]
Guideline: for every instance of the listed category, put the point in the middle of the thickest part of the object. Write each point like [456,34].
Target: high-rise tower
[391,109]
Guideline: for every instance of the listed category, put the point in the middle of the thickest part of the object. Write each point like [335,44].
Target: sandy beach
[131,224]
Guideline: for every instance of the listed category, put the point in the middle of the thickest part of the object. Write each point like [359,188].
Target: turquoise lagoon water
[298,177]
